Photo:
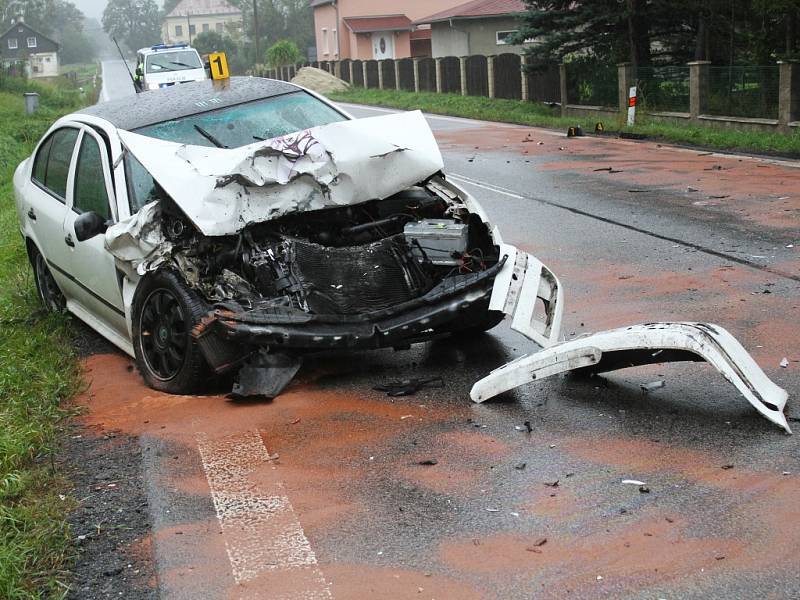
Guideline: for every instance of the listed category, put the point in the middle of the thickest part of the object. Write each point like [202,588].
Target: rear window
[178,60]
[244,124]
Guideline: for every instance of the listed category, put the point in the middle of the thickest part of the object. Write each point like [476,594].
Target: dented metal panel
[646,344]
[223,190]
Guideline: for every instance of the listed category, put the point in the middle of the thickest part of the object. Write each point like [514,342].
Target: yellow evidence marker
[219,65]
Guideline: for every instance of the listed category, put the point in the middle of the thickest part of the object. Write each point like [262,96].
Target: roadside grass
[541,115]
[38,370]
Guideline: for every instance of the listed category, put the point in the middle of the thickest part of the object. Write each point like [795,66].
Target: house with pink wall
[374,29]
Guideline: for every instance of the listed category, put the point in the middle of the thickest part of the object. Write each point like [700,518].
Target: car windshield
[178,60]
[244,124]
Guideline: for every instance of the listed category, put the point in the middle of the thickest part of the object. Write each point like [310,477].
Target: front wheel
[165,310]
[49,292]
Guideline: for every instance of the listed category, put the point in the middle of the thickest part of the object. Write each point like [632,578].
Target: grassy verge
[37,371]
[539,115]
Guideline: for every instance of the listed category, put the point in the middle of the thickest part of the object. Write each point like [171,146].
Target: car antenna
[124,61]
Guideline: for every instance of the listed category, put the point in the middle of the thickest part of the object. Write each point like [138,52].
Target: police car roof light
[168,46]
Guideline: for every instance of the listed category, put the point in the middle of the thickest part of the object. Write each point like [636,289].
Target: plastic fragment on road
[633,482]
[653,385]
[785,362]
[642,345]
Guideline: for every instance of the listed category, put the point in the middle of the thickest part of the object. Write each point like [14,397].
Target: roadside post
[632,106]
[218,63]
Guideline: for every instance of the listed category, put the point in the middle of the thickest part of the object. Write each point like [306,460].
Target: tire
[49,293]
[165,310]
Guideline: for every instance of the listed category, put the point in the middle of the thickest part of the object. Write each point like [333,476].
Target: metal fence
[592,84]
[743,92]
[663,89]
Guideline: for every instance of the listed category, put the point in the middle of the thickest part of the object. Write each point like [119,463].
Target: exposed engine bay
[338,261]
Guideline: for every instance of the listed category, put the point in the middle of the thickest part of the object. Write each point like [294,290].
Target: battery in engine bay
[442,241]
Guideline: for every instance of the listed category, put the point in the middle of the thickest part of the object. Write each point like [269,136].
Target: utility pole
[255,30]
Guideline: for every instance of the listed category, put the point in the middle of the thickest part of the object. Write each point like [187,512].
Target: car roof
[164,48]
[185,99]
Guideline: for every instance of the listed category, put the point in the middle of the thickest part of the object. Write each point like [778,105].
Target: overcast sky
[94,8]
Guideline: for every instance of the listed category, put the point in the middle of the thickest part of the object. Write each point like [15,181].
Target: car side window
[61,144]
[40,162]
[90,182]
[142,189]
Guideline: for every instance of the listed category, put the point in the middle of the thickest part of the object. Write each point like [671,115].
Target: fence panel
[663,89]
[387,70]
[292,71]
[743,92]
[315,64]
[372,74]
[426,69]
[451,75]
[358,73]
[406,72]
[544,84]
[477,75]
[508,76]
[592,84]
[344,69]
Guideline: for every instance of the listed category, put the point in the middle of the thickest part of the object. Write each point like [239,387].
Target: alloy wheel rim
[162,334]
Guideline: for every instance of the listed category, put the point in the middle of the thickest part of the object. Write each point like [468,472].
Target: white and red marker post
[632,106]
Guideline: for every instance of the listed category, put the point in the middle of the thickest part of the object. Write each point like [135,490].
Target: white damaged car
[239,227]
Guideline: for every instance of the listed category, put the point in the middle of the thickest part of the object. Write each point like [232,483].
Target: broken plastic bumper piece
[641,345]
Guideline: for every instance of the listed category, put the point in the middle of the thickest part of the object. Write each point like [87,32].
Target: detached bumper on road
[641,345]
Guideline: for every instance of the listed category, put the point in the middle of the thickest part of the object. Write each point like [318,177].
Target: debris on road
[644,489]
[653,385]
[520,466]
[726,467]
[407,387]
[534,547]
[552,483]
[428,462]
[632,482]
[785,362]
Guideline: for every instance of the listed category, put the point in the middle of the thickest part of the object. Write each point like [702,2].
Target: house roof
[14,29]
[475,9]
[203,7]
[378,23]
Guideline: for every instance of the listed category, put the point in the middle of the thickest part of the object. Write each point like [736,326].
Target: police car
[165,65]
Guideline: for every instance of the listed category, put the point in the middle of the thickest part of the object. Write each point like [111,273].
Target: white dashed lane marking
[263,537]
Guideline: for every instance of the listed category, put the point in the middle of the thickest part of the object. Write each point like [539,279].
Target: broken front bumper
[641,345]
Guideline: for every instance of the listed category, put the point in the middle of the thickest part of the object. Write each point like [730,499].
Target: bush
[283,53]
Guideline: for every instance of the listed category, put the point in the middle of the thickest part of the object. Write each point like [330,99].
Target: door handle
[31,214]
[68,241]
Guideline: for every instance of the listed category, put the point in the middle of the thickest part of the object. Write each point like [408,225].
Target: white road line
[262,533]
[486,186]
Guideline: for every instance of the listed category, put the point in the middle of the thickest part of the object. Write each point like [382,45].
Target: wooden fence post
[438,75]
[416,76]
[625,79]
[380,75]
[463,66]
[364,73]
[562,80]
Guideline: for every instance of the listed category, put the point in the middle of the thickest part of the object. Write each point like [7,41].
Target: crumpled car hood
[223,190]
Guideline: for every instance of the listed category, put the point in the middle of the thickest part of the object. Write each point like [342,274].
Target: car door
[46,196]
[95,280]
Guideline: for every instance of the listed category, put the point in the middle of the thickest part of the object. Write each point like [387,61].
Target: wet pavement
[328,490]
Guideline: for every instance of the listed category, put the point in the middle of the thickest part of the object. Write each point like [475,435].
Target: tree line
[653,32]
[138,24]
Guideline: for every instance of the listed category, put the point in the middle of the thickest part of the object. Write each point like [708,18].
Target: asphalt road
[320,493]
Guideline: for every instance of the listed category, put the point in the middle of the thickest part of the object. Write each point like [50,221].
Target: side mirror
[88,225]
